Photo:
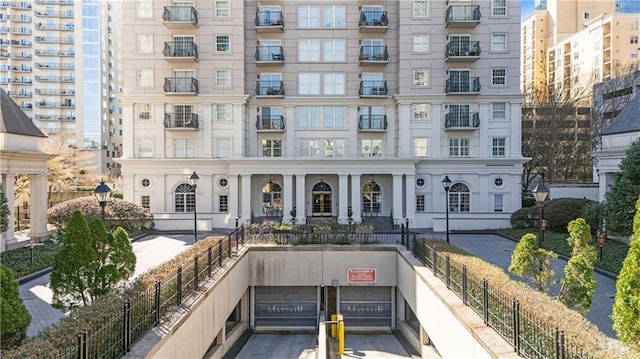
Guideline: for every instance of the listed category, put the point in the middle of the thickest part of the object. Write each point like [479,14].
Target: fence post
[556,342]
[516,325]
[80,345]
[229,246]
[209,250]
[402,233]
[220,253]
[195,271]
[562,344]
[179,285]
[237,241]
[434,262]
[485,300]
[156,304]
[126,325]
[464,284]
[447,270]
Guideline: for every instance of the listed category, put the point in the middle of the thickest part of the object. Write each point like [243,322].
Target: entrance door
[321,200]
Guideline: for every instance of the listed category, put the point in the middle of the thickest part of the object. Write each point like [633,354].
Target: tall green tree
[626,305]
[529,261]
[4,211]
[115,258]
[618,206]
[14,318]
[579,283]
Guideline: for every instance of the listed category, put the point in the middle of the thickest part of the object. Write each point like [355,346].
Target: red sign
[543,225]
[601,240]
[32,242]
[361,275]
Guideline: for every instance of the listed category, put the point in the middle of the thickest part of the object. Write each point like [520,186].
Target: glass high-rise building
[628,6]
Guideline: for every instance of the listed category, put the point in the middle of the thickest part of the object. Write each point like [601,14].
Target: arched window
[371,197]
[459,198]
[184,198]
[271,198]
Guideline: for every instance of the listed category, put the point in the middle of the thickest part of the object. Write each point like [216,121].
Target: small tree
[4,211]
[15,318]
[626,305]
[529,261]
[579,282]
[619,209]
[115,259]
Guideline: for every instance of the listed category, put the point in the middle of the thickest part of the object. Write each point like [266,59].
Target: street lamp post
[193,179]
[102,193]
[540,192]
[446,183]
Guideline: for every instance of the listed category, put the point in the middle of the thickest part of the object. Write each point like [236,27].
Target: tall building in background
[59,62]
[345,111]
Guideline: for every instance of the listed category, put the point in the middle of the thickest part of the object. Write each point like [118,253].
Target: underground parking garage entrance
[298,308]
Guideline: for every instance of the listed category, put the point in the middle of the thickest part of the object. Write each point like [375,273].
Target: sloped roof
[628,120]
[14,120]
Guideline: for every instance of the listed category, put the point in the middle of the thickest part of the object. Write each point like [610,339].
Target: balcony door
[372,49]
[183,46]
[459,44]
[270,50]
[183,115]
[184,81]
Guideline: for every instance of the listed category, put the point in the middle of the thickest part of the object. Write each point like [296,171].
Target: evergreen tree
[619,209]
[529,261]
[626,305]
[4,211]
[579,282]
[14,318]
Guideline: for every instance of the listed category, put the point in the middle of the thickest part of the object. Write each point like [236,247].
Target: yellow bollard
[341,337]
[334,327]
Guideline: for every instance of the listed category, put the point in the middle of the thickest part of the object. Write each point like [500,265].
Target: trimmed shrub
[15,318]
[592,213]
[526,217]
[559,212]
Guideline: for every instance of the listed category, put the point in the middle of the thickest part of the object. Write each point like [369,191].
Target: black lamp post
[102,193]
[540,192]
[193,179]
[446,183]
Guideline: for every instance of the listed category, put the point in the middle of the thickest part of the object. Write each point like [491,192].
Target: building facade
[337,110]
[59,61]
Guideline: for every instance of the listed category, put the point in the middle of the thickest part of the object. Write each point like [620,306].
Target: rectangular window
[498,76]
[334,83]
[222,8]
[333,147]
[420,147]
[498,146]
[310,148]
[223,78]
[144,8]
[458,147]
[334,50]
[145,201]
[223,43]
[371,148]
[420,77]
[145,77]
[309,83]
[222,147]
[309,117]
[223,112]
[420,202]
[586,15]
[498,42]
[420,111]
[498,203]
[145,147]
[223,203]
[145,43]
[499,8]
[420,8]
[633,39]
[499,110]
[333,116]
[308,16]
[144,111]
[421,43]
[334,16]
[309,50]
[634,25]
[184,147]
[271,148]
[633,54]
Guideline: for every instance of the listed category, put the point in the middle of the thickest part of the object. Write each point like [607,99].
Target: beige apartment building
[329,110]
[59,61]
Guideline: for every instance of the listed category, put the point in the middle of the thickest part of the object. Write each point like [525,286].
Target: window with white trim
[633,39]
[334,16]
[223,43]
[459,198]
[223,203]
[420,203]
[334,50]
[271,147]
[420,43]
[498,202]
[499,110]
[222,147]
[222,8]
[309,83]
[420,147]
[223,78]
[144,8]
[333,83]
[322,147]
[420,8]
[184,147]
[333,147]
[145,201]
[309,50]
[499,7]
[308,16]
[498,146]
[308,116]
[144,111]
[420,77]
[184,198]
[499,76]
[498,42]
[145,147]
[420,111]
[459,147]
[145,43]
[333,116]
[145,77]
[222,112]
[371,148]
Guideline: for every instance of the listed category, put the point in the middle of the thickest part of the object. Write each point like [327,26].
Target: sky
[527,7]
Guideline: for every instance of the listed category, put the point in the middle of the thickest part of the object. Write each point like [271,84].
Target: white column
[128,116]
[8,182]
[514,111]
[246,198]
[410,180]
[289,116]
[301,200]
[233,198]
[38,194]
[397,199]
[343,187]
[287,197]
[355,198]
[436,130]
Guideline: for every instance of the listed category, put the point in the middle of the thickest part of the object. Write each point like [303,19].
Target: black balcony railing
[180,14]
[374,53]
[373,88]
[181,120]
[180,85]
[180,49]
[269,88]
[270,122]
[471,85]
[269,18]
[372,122]
[373,18]
[462,120]
[471,49]
[463,13]
[269,54]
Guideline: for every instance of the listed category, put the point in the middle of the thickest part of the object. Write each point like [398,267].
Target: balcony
[58,27]
[19,18]
[47,91]
[58,2]
[19,30]
[54,40]
[21,94]
[48,13]
[462,51]
[180,86]
[20,69]
[69,52]
[23,80]
[373,89]
[45,65]
[53,117]
[269,55]
[53,104]
[269,21]
[461,121]
[372,123]
[462,16]
[55,78]
[270,89]
[22,56]
[270,123]
[22,5]
[180,51]
[180,121]
[373,21]
[373,55]
[463,87]
[180,17]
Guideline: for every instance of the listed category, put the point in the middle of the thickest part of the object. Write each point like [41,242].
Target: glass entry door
[321,200]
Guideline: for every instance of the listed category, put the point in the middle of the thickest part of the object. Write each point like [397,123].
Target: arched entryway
[371,199]
[272,199]
[321,194]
